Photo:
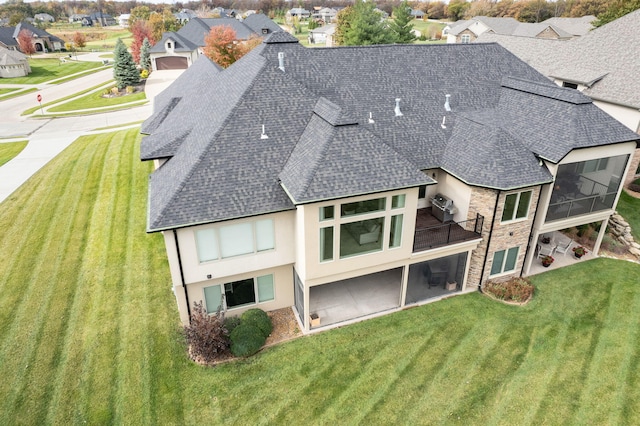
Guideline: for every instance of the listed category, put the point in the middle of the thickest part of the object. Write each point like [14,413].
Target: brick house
[350,182]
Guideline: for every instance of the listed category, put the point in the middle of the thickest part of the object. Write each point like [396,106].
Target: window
[326,213]
[397,201]
[239,293]
[326,244]
[396,231]
[235,240]
[504,261]
[363,207]
[422,191]
[169,45]
[465,38]
[516,206]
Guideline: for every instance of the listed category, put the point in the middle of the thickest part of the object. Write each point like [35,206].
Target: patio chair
[563,246]
[544,251]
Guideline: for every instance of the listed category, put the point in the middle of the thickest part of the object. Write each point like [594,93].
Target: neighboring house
[310,177]
[599,64]
[43,17]
[323,35]
[468,31]
[326,15]
[417,14]
[79,17]
[575,26]
[178,50]
[185,15]
[123,20]
[13,64]
[100,19]
[42,40]
[297,12]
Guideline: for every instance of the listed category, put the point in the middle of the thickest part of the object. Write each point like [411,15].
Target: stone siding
[548,34]
[635,162]
[504,236]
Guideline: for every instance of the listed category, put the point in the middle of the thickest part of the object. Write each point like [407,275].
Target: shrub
[231,323]
[114,91]
[513,290]
[246,340]
[130,90]
[206,335]
[635,185]
[258,318]
[144,74]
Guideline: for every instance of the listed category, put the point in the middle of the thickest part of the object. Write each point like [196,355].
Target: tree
[361,25]
[79,40]
[139,13]
[140,30]
[456,9]
[124,69]
[401,26]
[616,10]
[222,47]
[145,57]
[25,41]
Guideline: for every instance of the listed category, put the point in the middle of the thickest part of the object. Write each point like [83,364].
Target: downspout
[486,254]
[184,286]
[533,222]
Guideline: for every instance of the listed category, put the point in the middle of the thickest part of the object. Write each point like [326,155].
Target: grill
[443,208]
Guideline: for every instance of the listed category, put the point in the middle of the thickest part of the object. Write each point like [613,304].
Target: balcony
[431,233]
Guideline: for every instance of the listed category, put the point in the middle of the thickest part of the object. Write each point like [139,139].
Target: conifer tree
[361,25]
[145,56]
[124,69]
[401,25]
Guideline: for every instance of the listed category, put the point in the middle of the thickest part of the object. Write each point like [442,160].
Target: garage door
[171,63]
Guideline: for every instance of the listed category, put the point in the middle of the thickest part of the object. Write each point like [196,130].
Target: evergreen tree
[616,10]
[362,25]
[145,56]
[401,25]
[124,69]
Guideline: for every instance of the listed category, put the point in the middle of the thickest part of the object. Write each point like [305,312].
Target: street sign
[39,97]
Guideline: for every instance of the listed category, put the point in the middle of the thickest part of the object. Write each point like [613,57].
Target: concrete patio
[561,260]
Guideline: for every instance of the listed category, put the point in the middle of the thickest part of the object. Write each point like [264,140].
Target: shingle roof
[258,22]
[600,59]
[11,57]
[6,36]
[182,44]
[322,145]
[574,26]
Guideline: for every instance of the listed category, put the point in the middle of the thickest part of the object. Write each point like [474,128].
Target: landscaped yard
[95,100]
[8,150]
[629,208]
[50,69]
[89,331]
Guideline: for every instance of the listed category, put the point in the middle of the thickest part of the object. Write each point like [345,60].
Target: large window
[465,38]
[504,261]
[239,293]
[235,240]
[516,206]
[361,226]
[585,187]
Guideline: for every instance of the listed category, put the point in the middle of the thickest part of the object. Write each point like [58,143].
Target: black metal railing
[447,233]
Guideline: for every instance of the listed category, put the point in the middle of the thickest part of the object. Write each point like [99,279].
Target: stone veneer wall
[635,161]
[504,236]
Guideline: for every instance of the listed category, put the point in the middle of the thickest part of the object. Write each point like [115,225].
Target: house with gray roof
[42,40]
[468,31]
[13,63]
[598,64]
[178,50]
[577,27]
[322,180]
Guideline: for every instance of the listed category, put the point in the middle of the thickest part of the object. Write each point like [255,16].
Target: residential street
[49,136]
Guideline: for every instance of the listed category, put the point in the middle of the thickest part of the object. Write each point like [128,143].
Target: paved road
[49,136]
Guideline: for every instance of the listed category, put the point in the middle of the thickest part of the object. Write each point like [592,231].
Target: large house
[554,28]
[42,40]
[351,181]
[599,64]
[179,50]
[13,63]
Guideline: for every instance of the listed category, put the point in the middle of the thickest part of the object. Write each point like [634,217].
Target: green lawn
[8,150]
[95,100]
[89,331]
[629,208]
[50,69]
[73,95]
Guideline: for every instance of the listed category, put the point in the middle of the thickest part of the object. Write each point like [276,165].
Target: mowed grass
[50,69]
[629,208]
[96,100]
[8,150]
[90,333]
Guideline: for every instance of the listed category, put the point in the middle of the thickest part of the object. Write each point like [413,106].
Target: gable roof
[258,22]
[35,30]
[321,145]
[198,28]
[6,36]
[11,57]
[574,26]
[182,44]
[599,60]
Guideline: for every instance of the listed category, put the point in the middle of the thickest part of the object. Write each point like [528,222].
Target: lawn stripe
[44,287]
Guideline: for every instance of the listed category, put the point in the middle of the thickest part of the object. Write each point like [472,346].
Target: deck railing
[447,233]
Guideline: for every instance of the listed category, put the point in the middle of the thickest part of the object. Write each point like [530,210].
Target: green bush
[258,318]
[144,74]
[246,340]
[231,323]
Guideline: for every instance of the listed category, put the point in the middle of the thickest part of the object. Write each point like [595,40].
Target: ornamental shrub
[206,334]
[513,290]
[246,340]
[231,323]
[258,318]
[144,74]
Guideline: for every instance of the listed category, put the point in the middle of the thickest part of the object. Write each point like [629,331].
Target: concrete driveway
[49,136]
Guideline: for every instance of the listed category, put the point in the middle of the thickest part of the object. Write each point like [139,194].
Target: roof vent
[397,109]
[371,120]
[447,106]
[263,135]
[281,61]
[444,122]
